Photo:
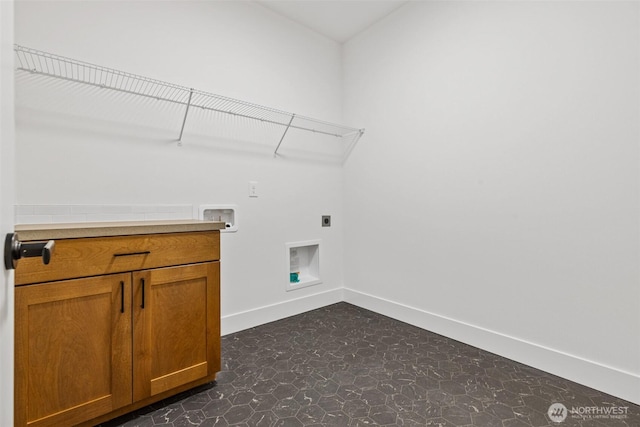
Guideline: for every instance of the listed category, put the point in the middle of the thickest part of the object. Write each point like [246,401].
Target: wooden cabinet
[73,350]
[172,318]
[145,324]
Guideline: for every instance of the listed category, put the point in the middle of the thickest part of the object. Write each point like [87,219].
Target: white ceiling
[337,19]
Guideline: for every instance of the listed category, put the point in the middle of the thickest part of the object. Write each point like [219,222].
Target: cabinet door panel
[176,334]
[73,350]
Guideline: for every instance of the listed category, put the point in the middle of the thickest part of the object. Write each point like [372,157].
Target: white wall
[502,144]
[79,146]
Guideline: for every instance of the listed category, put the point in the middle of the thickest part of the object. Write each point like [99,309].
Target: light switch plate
[326,220]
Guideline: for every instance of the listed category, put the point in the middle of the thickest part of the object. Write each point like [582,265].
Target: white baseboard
[269,313]
[624,385]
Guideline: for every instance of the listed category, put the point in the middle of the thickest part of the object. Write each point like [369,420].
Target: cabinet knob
[14,250]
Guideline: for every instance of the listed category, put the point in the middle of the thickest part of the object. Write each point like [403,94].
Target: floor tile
[342,365]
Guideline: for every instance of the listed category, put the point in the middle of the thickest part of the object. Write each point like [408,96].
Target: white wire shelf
[48,64]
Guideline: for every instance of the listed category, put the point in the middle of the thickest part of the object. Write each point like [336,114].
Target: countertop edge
[28,232]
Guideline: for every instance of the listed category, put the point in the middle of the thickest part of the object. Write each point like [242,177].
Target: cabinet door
[176,327]
[73,350]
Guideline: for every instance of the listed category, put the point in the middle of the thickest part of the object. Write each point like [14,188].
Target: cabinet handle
[142,282]
[121,296]
[134,253]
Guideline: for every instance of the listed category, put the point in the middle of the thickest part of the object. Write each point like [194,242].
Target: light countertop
[116,228]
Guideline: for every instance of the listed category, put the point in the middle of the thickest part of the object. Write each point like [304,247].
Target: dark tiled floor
[345,366]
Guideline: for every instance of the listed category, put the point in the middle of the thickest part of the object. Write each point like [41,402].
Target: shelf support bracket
[275,153]
[356,137]
[185,116]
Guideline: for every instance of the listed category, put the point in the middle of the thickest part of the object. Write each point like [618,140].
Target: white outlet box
[225,213]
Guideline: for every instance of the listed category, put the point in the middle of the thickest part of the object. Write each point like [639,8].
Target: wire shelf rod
[100,86]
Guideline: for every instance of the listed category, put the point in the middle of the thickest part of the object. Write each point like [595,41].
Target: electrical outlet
[253,189]
[326,220]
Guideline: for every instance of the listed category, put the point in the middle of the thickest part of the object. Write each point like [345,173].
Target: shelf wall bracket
[293,116]
[356,137]
[186,112]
